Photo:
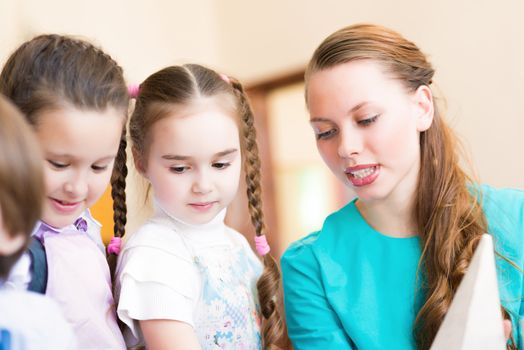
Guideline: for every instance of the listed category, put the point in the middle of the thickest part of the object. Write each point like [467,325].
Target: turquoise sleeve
[504,210]
[311,322]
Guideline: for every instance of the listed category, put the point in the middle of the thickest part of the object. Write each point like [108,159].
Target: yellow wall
[103,212]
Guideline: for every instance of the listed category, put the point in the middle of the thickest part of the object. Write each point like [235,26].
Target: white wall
[477,47]
[143,36]
[10,34]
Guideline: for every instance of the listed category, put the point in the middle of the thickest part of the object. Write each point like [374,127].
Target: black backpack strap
[38,282]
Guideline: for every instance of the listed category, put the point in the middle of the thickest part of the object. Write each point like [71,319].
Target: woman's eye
[221,166]
[368,121]
[178,169]
[58,165]
[325,134]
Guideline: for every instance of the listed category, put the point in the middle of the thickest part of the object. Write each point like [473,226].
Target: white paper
[474,319]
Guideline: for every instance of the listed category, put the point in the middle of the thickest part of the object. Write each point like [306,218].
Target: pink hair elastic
[114,245]
[261,245]
[225,78]
[133,90]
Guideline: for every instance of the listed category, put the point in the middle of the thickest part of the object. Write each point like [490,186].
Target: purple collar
[80,224]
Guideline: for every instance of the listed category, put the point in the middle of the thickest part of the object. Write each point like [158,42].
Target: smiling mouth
[65,207]
[65,203]
[362,173]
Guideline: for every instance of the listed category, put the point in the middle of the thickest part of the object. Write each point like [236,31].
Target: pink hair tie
[225,78]
[133,90]
[114,245]
[261,245]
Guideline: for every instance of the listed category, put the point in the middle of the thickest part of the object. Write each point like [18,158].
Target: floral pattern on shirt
[228,314]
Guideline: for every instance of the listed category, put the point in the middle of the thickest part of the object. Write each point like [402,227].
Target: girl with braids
[382,271]
[185,280]
[75,97]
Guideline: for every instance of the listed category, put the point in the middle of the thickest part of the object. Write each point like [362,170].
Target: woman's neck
[390,217]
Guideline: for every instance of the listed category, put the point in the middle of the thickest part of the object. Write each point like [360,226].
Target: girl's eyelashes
[57,165]
[183,168]
[178,169]
[221,165]
[99,168]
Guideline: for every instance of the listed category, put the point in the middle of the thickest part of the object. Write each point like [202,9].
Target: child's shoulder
[22,307]
[151,253]
[240,240]
[153,231]
[36,320]
[236,236]
[29,299]
[154,238]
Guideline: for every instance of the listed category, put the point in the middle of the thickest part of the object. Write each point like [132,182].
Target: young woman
[382,271]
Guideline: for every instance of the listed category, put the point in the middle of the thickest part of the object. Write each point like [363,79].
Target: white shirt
[32,321]
[169,269]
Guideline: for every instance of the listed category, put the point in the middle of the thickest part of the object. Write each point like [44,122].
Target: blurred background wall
[477,47]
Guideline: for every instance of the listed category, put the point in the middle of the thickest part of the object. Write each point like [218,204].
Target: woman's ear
[139,162]
[423,98]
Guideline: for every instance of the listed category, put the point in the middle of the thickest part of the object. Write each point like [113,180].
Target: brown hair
[447,212]
[50,71]
[21,179]
[183,86]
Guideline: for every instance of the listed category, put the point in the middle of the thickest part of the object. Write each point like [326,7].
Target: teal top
[348,286]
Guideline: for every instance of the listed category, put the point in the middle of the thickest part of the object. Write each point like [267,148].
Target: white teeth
[360,174]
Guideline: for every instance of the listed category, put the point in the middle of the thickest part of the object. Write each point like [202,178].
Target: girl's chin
[60,221]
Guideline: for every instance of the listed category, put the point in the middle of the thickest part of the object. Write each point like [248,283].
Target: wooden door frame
[258,94]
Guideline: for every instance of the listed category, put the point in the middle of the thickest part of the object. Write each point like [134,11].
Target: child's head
[75,97]
[191,129]
[21,185]
[185,132]
[372,110]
